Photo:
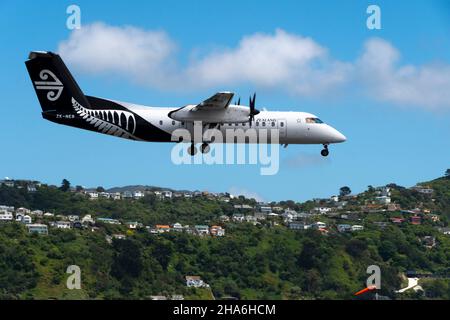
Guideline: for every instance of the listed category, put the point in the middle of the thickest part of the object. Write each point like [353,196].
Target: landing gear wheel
[192,150]
[205,148]
[324,151]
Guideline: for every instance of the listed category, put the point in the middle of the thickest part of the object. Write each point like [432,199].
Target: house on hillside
[177,227]
[397,220]
[6,216]
[217,231]
[357,227]
[344,227]
[238,217]
[87,219]
[37,213]
[423,190]
[134,225]
[195,282]
[202,230]
[161,228]
[138,194]
[383,199]
[416,220]
[260,215]
[62,225]
[298,226]
[167,194]
[92,195]
[108,220]
[319,225]
[37,228]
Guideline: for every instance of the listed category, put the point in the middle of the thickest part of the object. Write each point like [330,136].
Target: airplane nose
[340,137]
[336,136]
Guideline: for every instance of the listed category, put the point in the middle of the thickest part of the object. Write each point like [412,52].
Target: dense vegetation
[250,262]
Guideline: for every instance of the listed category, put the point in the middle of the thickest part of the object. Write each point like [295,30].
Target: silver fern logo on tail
[54,85]
[118,123]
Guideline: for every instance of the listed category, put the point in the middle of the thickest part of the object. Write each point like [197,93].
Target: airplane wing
[220,100]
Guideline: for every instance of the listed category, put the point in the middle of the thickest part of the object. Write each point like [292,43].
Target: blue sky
[390,139]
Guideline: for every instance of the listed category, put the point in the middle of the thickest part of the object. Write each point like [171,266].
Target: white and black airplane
[63,102]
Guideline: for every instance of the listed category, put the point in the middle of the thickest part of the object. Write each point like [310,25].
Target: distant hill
[133,188]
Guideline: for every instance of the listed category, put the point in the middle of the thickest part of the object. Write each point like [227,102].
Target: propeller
[253,111]
[238,103]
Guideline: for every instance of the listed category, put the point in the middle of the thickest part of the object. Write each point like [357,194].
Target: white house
[37,228]
[167,194]
[217,231]
[116,196]
[298,226]
[344,227]
[322,210]
[383,199]
[195,281]
[177,227]
[319,225]
[202,229]
[26,219]
[104,195]
[138,194]
[356,227]
[23,210]
[93,195]
[6,216]
[48,214]
[73,217]
[87,219]
[62,224]
[37,213]
[238,217]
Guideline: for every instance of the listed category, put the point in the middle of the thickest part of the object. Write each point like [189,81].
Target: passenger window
[273,124]
[263,124]
[160,122]
[173,123]
[257,124]
[281,124]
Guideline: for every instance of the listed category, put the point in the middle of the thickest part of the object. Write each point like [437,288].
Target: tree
[344,191]
[100,189]
[447,173]
[65,185]
[79,188]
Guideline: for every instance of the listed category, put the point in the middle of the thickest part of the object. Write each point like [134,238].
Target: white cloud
[139,54]
[278,60]
[236,191]
[426,86]
[285,61]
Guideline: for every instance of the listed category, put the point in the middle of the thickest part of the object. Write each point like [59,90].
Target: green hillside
[264,261]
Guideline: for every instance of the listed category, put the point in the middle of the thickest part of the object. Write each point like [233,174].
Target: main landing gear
[204,148]
[324,151]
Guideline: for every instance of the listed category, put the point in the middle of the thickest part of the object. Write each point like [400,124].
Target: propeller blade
[239,101]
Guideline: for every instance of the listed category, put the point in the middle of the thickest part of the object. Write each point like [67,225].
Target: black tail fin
[55,87]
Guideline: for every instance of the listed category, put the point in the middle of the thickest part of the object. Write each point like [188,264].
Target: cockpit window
[313,120]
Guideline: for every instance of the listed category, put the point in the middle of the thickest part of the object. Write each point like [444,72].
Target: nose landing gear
[324,151]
